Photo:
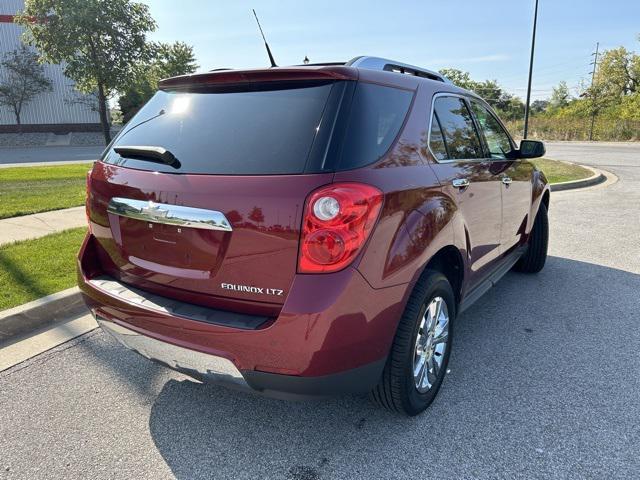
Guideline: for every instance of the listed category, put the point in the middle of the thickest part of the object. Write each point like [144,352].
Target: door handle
[506,180]
[461,183]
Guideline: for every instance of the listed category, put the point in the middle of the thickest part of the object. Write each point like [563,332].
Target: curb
[50,309]
[597,177]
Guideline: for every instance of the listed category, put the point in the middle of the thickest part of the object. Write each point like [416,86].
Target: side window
[497,139]
[458,130]
[377,114]
[436,142]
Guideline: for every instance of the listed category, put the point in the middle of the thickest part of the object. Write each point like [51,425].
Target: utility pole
[533,47]
[594,94]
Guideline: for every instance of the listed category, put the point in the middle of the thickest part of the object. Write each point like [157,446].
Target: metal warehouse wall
[47,108]
[10,7]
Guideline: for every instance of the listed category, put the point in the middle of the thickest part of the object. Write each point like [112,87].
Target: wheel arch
[448,261]
[541,194]
[546,198]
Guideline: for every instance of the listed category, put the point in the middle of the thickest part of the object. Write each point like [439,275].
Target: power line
[548,69]
[559,74]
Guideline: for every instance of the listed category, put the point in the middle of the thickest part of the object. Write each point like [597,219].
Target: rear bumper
[214,369]
[332,335]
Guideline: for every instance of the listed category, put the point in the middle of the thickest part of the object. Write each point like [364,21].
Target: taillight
[337,221]
[86,201]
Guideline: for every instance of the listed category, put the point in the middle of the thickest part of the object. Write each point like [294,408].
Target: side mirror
[531,149]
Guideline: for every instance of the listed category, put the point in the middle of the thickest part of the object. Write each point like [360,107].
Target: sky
[491,39]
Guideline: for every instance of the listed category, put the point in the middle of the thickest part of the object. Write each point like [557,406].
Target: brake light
[337,221]
[86,201]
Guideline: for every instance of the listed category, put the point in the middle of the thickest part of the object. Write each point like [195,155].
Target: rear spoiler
[238,77]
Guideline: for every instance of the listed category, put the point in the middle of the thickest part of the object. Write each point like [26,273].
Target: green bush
[567,128]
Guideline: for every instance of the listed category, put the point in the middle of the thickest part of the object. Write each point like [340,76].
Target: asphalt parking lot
[544,383]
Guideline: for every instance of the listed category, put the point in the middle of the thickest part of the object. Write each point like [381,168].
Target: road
[48,154]
[544,383]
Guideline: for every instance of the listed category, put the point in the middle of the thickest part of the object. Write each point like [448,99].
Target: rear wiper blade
[149,154]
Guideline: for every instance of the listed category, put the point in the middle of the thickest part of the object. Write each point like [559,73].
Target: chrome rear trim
[169,306]
[198,365]
[177,215]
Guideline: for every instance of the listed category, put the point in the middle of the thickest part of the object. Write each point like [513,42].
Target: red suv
[309,230]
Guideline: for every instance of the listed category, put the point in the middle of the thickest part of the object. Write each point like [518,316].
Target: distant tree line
[613,101]
[104,47]
[508,106]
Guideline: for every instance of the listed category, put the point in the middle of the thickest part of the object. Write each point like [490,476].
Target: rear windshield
[279,130]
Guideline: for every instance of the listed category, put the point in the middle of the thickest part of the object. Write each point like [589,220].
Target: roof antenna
[273,62]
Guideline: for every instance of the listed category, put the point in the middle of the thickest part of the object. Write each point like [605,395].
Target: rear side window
[459,133]
[377,114]
[235,133]
[438,147]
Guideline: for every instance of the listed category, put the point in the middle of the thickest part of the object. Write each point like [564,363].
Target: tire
[536,255]
[397,390]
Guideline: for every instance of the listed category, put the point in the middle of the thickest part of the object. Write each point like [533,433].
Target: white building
[53,111]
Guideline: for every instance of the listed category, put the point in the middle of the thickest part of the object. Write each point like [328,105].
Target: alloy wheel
[431,344]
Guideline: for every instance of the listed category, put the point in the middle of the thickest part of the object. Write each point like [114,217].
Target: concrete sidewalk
[40,224]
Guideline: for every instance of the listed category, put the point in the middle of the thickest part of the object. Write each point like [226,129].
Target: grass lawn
[34,268]
[557,172]
[25,190]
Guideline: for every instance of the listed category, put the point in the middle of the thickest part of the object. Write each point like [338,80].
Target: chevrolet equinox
[310,230]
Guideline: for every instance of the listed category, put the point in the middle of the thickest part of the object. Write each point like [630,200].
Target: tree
[630,107]
[173,59]
[539,106]
[459,78]
[491,92]
[256,215]
[618,73]
[234,217]
[168,60]
[100,42]
[508,106]
[560,96]
[136,96]
[24,80]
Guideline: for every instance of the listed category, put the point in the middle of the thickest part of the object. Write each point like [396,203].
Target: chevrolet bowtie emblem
[154,211]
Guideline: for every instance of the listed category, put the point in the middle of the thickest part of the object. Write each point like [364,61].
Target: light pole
[594,94]
[533,47]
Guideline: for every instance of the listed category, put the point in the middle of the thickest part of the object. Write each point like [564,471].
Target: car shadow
[142,376]
[522,377]
[21,277]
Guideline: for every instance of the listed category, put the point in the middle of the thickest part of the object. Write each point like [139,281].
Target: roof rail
[321,64]
[375,63]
